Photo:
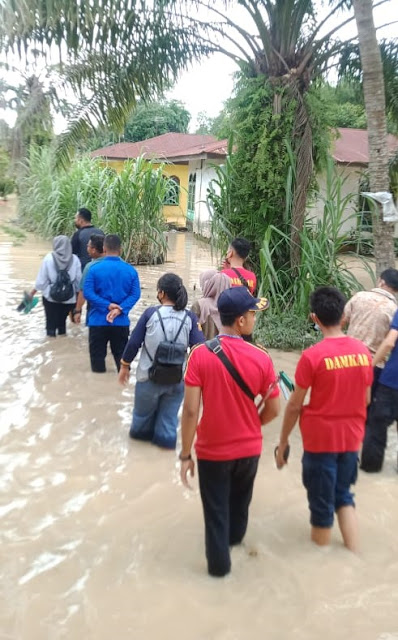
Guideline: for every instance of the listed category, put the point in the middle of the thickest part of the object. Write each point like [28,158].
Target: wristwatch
[184,458]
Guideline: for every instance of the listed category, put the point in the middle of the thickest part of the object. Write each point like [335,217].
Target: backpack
[62,289]
[168,362]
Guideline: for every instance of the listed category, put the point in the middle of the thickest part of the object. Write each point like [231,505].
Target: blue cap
[237,300]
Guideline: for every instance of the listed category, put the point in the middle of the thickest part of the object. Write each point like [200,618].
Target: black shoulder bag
[241,278]
[214,345]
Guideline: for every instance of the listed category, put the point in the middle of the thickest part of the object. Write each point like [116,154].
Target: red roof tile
[351,147]
[168,145]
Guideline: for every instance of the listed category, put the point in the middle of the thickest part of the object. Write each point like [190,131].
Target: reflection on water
[99,540]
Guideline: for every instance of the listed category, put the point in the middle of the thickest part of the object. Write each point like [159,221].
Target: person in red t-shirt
[339,372]
[229,439]
[233,267]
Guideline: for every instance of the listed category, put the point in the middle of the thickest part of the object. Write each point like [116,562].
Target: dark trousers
[56,314]
[98,338]
[382,412]
[226,489]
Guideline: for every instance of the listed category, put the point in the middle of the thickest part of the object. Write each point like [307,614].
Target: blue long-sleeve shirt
[111,280]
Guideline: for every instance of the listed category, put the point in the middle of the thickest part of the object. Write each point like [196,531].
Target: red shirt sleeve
[269,380]
[192,372]
[304,372]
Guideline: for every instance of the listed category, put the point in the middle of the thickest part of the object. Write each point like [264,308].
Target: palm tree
[110,53]
[375,105]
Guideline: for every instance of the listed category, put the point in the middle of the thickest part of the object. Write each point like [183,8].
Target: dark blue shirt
[389,375]
[111,280]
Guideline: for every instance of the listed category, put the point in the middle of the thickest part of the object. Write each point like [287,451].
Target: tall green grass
[322,245]
[129,204]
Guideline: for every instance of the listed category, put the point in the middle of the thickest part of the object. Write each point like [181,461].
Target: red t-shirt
[249,276]
[338,370]
[230,425]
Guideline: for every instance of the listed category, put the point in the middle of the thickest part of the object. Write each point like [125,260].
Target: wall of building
[351,176]
[175,214]
[205,173]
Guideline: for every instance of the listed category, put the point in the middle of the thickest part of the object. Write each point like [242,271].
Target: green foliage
[129,203]
[220,126]
[343,104]
[287,331]
[322,242]
[7,184]
[118,52]
[251,188]
[154,119]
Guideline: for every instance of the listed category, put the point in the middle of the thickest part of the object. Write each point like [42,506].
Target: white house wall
[205,173]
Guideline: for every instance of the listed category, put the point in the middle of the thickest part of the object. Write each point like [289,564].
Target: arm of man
[89,293]
[271,409]
[292,412]
[75,243]
[195,335]
[189,422]
[386,347]
[133,296]
[136,339]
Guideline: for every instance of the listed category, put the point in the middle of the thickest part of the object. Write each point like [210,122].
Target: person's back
[229,437]
[110,280]
[369,313]
[237,253]
[81,237]
[111,288]
[338,372]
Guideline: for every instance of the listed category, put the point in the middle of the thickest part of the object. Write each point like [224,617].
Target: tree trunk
[302,142]
[373,86]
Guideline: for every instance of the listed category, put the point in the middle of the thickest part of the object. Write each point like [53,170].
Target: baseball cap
[237,300]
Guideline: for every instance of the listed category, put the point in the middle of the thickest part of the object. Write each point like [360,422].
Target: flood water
[98,538]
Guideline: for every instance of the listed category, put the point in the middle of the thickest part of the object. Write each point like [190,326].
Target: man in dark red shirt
[338,370]
[229,438]
[233,267]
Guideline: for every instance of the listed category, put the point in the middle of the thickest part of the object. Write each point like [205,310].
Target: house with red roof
[189,160]
[350,151]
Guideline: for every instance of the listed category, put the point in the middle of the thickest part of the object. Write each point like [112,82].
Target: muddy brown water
[99,539]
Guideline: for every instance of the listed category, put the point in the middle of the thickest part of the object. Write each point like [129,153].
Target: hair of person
[174,289]
[85,214]
[390,277]
[228,320]
[97,242]
[112,242]
[242,247]
[328,305]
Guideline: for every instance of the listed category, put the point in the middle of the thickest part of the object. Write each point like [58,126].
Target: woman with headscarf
[60,259]
[212,284]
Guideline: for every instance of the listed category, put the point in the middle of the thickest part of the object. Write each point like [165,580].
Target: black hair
[174,289]
[242,247]
[228,320]
[390,277]
[328,304]
[97,242]
[85,214]
[112,242]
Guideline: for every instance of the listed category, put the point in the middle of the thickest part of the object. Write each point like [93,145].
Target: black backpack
[62,289]
[168,362]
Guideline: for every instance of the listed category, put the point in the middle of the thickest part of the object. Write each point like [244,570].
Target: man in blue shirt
[384,408]
[112,288]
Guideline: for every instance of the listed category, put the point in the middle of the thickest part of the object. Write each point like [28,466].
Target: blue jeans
[155,413]
[327,478]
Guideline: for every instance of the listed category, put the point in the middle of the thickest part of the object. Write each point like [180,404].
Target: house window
[191,191]
[173,191]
